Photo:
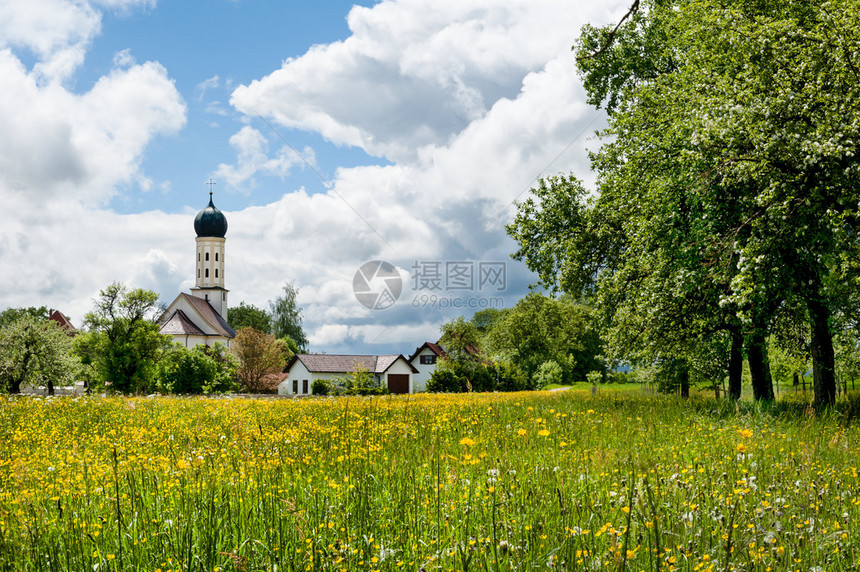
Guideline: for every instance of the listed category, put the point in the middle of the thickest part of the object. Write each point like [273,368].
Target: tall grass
[565,480]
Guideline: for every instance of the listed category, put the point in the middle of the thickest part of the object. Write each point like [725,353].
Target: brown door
[398,382]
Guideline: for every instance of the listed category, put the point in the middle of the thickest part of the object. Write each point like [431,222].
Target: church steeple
[210,224]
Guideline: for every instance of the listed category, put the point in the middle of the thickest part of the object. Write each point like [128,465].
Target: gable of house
[424,360]
[193,321]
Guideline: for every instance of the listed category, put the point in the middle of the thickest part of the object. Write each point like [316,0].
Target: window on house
[295,386]
[207,257]
[207,273]
[427,359]
[223,296]
[198,257]
[304,386]
[198,273]
[216,257]
[216,273]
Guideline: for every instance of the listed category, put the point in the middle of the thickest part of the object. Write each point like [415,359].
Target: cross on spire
[210,183]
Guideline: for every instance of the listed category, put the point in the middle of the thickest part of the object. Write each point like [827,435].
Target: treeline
[723,227]
[119,349]
[540,341]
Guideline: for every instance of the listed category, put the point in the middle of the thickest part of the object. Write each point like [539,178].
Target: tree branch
[611,36]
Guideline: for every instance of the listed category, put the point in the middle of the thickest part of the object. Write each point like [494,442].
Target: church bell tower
[210,224]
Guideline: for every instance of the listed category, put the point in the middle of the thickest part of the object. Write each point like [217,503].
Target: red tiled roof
[61,319]
[435,348]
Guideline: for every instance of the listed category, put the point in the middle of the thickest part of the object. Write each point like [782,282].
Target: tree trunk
[762,383]
[736,365]
[685,381]
[823,356]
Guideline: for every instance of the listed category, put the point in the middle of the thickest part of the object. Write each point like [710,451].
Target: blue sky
[418,123]
[234,43]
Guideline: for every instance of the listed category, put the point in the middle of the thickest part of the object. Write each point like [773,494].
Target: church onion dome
[210,221]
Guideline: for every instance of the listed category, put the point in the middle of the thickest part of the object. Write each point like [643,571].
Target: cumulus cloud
[57,32]
[253,159]
[56,141]
[471,103]
[414,72]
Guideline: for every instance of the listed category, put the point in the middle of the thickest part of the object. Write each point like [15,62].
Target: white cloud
[253,159]
[414,72]
[57,32]
[469,101]
[56,141]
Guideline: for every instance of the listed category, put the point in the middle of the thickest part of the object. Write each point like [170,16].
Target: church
[201,316]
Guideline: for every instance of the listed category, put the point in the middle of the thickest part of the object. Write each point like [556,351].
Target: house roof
[208,313]
[435,348]
[61,319]
[204,311]
[179,324]
[340,363]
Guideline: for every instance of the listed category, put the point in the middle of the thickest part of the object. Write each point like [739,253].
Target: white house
[392,371]
[424,361]
[201,317]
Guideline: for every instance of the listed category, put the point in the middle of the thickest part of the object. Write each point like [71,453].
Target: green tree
[11,315]
[35,351]
[461,340]
[465,367]
[484,320]
[727,179]
[123,345]
[197,370]
[539,329]
[259,354]
[248,315]
[287,317]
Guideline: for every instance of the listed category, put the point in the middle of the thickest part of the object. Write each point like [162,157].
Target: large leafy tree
[248,315]
[727,184]
[287,317]
[35,351]
[465,366]
[122,343]
[541,329]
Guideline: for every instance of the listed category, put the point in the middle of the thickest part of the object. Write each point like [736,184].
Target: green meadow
[567,480]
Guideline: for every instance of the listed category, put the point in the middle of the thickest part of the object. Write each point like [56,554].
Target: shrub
[321,387]
[548,373]
[594,377]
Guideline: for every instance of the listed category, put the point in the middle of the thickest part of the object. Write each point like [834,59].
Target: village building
[200,318]
[63,321]
[392,371]
[424,361]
